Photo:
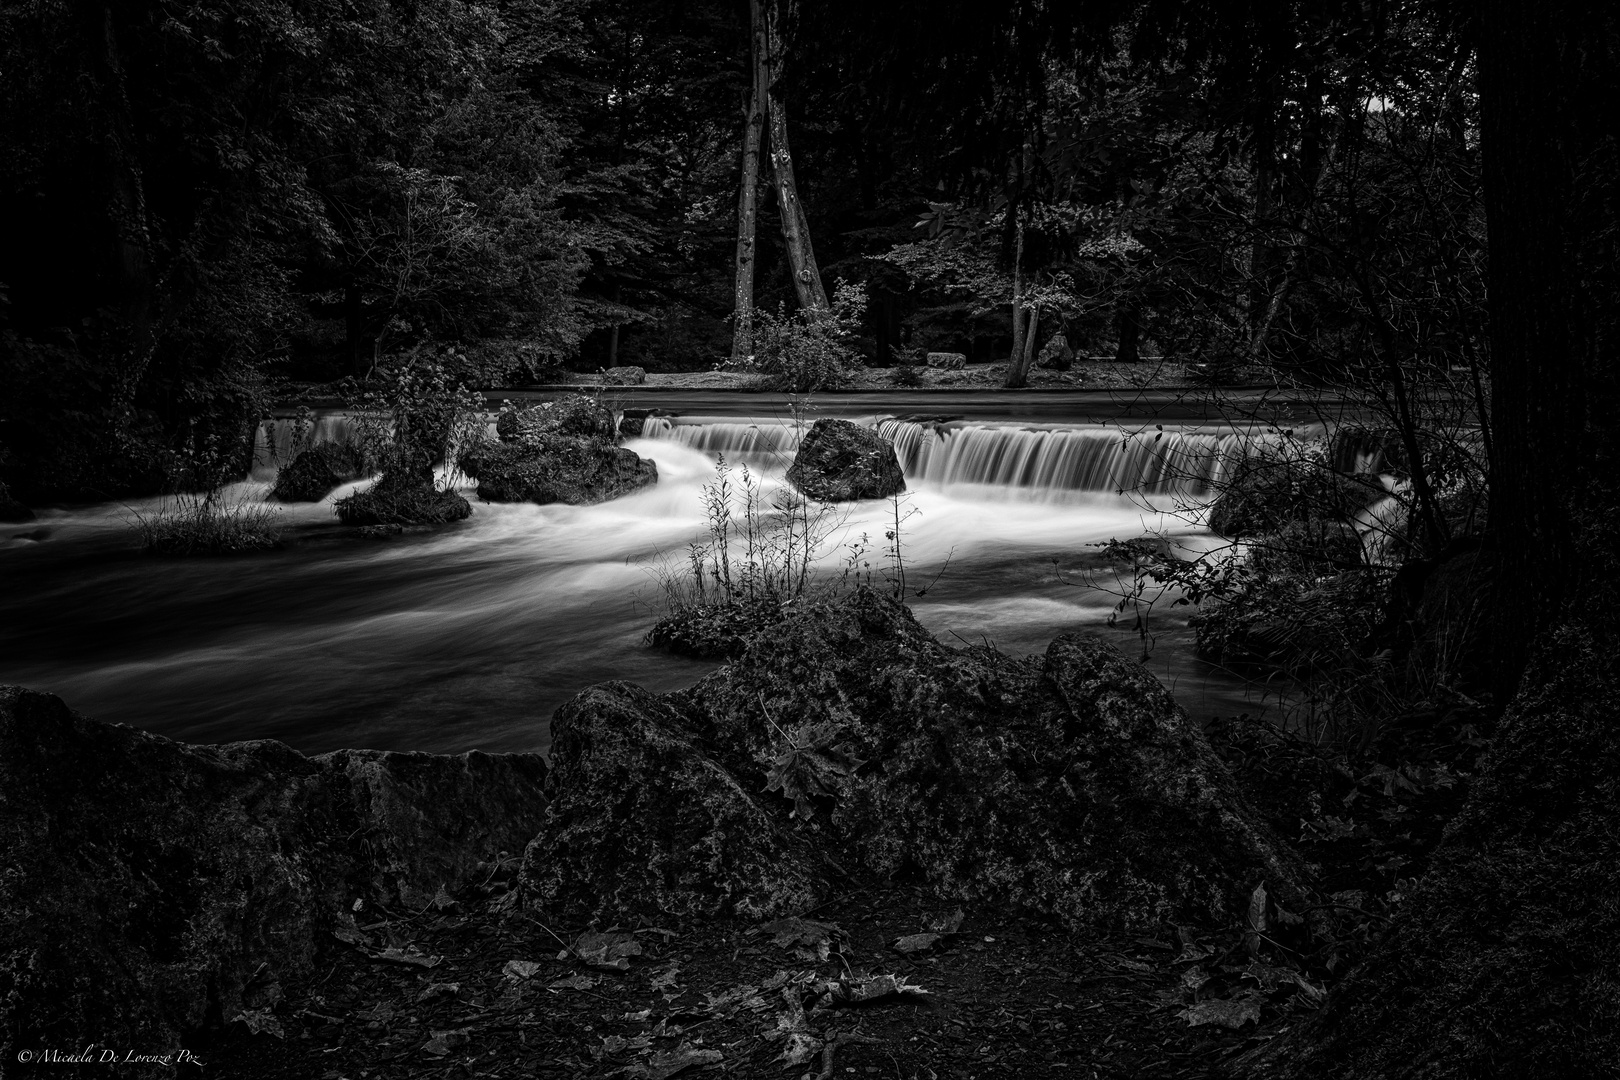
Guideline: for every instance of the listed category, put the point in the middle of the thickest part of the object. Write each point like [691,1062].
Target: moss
[553,468]
[713,631]
[312,475]
[643,821]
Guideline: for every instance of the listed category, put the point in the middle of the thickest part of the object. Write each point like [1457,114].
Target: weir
[1038,459]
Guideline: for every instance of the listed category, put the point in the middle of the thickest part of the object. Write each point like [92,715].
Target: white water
[471,635]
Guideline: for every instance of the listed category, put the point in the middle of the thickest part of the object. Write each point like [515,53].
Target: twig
[833,1044]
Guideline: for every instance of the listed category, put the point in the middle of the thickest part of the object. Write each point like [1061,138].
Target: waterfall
[1040,460]
[280,440]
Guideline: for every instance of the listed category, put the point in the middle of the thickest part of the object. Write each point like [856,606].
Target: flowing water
[471,635]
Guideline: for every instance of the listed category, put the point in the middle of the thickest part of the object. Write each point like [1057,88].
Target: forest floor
[829,995]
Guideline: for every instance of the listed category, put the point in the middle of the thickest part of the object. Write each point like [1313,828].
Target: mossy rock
[393,502]
[574,414]
[312,475]
[713,631]
[839,461]
[550,468]
[153,887]
[644,821]
[1070,783]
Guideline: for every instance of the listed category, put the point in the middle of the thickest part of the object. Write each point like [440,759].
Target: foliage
[417,416]
[208,523]
[810,350]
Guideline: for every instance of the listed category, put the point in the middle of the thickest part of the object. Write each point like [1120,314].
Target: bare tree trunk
[742,330]
[795,229]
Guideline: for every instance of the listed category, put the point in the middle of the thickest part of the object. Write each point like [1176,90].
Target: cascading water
[470,635]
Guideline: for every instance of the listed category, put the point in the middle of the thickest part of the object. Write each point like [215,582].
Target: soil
[1005,996]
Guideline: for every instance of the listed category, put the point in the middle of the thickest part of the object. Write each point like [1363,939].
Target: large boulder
[1071,783]
[152,887]
[644,820]
[839,461]
[557,469]
[312,475]
[574,414]
[396,501]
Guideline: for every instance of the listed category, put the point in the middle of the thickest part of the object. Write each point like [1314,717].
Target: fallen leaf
[351,936]
[442,1042]
[575,982]
[260,1021]
[617,1045]
[800,1048]
[665,980]
[946,923]
[1194,977]
[436,990]
[610,950]
[662,1066]
[409,955]
[864,991]
[809,939]
[916,943]
[1230,1014]
[520,969]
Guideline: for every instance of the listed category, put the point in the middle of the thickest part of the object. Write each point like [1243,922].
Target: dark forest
[618,538]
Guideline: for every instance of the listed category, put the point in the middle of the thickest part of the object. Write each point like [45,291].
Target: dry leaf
[520,969]
[916,943]
[1230,1014]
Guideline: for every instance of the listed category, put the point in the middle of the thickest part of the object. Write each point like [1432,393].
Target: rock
[1056,354]
[152,886]
[643,820]
[634,421]
[574,414]
[1071,783]
[713,631]
[947,361]
[557,469]
[12,512]
[311,475]
[839,461]
[402,502]
[624,376]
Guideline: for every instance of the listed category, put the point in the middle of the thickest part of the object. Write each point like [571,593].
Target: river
[470,636]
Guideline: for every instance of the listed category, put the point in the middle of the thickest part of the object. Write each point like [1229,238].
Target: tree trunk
[1017,371]
[1537,413]
[795,229]
[742,329]
[1130,333]
[132,263]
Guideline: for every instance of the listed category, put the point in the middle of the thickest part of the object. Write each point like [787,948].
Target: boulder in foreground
[840,462]
[848,736]
[152,887]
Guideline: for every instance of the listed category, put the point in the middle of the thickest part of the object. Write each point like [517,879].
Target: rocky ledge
[155,888]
